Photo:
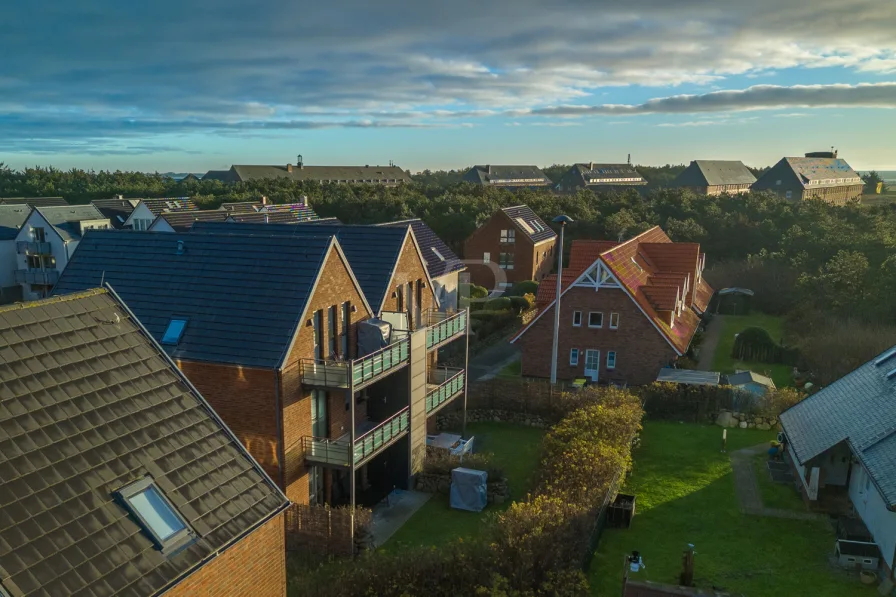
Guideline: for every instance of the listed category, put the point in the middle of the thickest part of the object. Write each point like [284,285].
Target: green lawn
[514,369]
[776,495]
[516,449]
[734,324]
[685,494]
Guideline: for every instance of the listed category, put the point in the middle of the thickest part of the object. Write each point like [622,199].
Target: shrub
[523,288]
[502,303]
[755,344]
[775,402]
[442,462]
[519,303]
[473,291]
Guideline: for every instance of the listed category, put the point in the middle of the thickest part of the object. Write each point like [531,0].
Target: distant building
[827,178]
[508,177]
[147,210]
[117,209]
[600,177]
[11,219]
[714,177]
[514,245]
[182,221]
[34,201]
[381,175]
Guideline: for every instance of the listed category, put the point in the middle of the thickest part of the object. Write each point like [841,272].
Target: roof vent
[884,357]
[181,247]
[891,374]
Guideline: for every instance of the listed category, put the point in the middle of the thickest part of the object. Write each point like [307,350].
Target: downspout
[281,454]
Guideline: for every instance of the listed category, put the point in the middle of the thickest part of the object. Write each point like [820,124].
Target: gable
[36,220]
[780,171]
[141,212]
[409,266]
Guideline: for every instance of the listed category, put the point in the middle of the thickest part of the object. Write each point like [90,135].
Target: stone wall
[497,491]
[727,418]
[454,419]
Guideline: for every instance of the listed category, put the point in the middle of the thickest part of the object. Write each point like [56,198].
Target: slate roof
[512,176]
[599,175]
[182,221]
[222,175]
[34,201]
[117,210]
[372,251]
[440,259]
[823,170]
[301,211]
[160,206]
[66,219]
[240,207]
[742,378]
[858,409]
[346,174]
[11,219]
[529,224]
[708,173]
[88,405]
[277,217]
[689,377]
[242,295]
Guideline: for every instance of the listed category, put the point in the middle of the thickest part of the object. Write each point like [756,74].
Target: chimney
[299,162]
[289,167]
[629,159]
[835,153]
[264,200]
[488,169]
[591,165]
[119,197]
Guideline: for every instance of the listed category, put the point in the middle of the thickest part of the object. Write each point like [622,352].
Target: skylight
[439,255]
[158,517]
[884,357]
[175,331]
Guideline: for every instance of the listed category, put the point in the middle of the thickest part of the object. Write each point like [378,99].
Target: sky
[186,85]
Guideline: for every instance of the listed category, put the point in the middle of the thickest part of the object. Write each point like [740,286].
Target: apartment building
[714,177]
[600,177]
[821,175]
[507,177]
[12,217]
[316,344]
[390,175]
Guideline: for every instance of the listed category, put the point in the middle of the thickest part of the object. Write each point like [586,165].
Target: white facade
[870,506]
[8,263]
[141,218]
[445,288]
[160,225]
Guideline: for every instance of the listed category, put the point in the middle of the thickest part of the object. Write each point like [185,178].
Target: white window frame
[614,326]
[609,360]
[166,545]
[598,326]
[788,194]
[573,357]
[576,315]
[508,236]
[486,257]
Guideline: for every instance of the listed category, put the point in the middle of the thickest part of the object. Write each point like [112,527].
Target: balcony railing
[451,384]
[338,374]
[47,277]
[28,247]
[443,327]
[335,452]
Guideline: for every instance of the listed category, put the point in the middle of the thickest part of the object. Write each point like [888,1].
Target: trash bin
[621,511]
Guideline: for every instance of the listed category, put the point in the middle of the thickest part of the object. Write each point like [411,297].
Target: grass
[734,324]
[514,369]
[776,495]
[516,450]
[685,494]
[882,199]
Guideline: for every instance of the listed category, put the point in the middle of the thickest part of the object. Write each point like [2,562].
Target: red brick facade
[255,566]
[410,268]
[641,350]
[530,262]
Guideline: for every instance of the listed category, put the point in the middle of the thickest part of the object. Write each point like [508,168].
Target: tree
[872,179]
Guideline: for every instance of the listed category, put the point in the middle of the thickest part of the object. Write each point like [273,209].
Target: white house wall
[8,263]
[446,289]
[871,508]
[141,212]
[57,247]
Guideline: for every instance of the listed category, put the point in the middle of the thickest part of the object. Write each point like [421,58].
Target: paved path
[747,487]
[489,363]
[390,514]
[710,342]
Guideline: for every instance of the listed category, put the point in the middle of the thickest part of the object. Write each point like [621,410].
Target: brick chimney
[289,167]
[264,200]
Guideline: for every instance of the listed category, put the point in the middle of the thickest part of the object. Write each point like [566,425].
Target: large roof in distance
[344,174]
[529,223]
[512,176]
[88,405]
[823,171]
[34,201]
[160,206]
[242,295]
[440,259]
[858,409]
[702,173]
[11,219]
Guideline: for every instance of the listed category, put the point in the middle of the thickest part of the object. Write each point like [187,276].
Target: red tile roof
[582,255]
[703,295]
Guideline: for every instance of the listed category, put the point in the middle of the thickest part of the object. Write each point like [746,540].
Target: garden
[732,326]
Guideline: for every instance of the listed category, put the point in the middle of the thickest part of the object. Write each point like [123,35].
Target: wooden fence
[325,530]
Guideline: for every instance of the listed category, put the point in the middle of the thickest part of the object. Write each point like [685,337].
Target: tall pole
[557,308]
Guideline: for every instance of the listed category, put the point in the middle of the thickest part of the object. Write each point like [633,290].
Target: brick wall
[487,239]
[545,261]
[245,399]
[641,351]
[255,566]
[410,268]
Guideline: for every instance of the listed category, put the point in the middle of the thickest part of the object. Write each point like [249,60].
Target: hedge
[523,288]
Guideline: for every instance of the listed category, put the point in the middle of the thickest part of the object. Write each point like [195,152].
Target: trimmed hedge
[756,344]
[502,303]
[523,288]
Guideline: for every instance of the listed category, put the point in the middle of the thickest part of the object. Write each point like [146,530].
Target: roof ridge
[52,300]
[622,244]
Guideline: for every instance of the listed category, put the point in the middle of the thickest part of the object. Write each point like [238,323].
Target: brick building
[265,319]
[601,177]
[381,175]
[508,177]
[821,176]
[116,477]
[627,310]
[714,177]
[512,246]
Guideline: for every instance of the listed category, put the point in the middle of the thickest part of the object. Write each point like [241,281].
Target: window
[486,258]
[576,318]
[39,235]
[778,183]
[506,261]
[317,323]
[614,321]
[536,257]
[611,359]
[332,327]
[508,236]
[788,194]
[158,517]
[33,261]
[343,335]
[174,331]
[439,255]
[595,319]
[573,356]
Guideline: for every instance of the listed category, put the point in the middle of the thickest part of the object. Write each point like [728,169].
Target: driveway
[710,343]
[489,363]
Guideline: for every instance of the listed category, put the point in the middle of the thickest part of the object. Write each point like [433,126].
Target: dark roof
[858,409]
[242,295]
[34,201]
[744,377]
[354,174]
[703,173]
[259,217]
[601,175]
[301,211]
[88,405]
[222,175]
[440,259]
[689,376]
[372,251]
[241,206]
[529,224]
[117,210]
[808,173]
[159,206]
[182,221]
[515,176]
[11,219]
[66,219]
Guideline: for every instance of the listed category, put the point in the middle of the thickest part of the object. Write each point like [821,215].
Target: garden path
[710,342]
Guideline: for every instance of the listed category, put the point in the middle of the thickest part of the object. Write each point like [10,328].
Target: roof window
[174,331]
[439,255]
[158,516]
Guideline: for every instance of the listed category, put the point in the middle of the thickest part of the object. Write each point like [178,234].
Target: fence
[600,522]
[324,530]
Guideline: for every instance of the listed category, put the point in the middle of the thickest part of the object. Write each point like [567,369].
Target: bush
[755,344]
[502,303]
[774,402]
[519,303]
[442,462]
[473,291]
[523,288]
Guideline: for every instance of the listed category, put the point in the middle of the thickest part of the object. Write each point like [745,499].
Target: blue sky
[192,86]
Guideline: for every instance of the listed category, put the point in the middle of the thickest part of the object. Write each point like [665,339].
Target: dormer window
[156,514]
[174,331]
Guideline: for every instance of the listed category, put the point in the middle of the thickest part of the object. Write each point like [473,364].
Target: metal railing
[382,435]
[338,374]
[37,276]
[443,327]
[33,247]
[451,386]
[332,452]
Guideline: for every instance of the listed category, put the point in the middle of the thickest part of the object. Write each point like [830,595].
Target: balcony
[337,452]
[27,247]
[444,327]
[47,277]
[444,385]
[357,372]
